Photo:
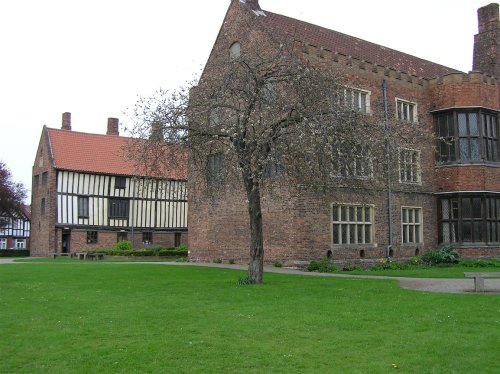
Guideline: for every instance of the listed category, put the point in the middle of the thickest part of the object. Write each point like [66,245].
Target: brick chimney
[487,41]
[252,4]
[112,127]
[66,121]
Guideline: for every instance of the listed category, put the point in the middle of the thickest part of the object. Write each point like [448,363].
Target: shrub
[326,265]
[480,263]
[350,267]
[277,264]
[231,261]
[123,245]
[441,255]
[217,261]
[416,261]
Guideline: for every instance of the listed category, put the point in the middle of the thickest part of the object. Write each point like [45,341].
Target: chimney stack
[487,41]
[113,127]
[66,121]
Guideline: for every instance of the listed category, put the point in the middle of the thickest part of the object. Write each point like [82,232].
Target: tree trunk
[256,265]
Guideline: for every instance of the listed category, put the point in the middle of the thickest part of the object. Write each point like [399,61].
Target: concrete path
[492,286]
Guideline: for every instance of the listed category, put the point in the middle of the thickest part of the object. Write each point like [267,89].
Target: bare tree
[258,115]
[12,194]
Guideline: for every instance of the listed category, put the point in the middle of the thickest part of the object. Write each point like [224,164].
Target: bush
[441,255]
[480,263]
[277,264]
[14,253]
[326,265]
[350,267]
[217,261]
[123,245]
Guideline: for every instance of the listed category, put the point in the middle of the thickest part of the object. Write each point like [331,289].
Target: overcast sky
[94,57]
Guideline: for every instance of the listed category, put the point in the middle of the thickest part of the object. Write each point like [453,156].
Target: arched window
[235,50]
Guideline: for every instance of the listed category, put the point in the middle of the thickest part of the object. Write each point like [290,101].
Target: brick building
[446,190]
[86,195]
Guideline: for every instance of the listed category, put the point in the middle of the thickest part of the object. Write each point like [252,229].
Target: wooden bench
[54,255]
[479,279]
[90,256]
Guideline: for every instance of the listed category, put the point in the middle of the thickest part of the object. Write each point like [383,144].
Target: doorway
[65,242]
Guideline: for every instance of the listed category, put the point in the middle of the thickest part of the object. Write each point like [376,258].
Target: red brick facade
[298,224]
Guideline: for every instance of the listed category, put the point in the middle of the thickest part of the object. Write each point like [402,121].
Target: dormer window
[235,50]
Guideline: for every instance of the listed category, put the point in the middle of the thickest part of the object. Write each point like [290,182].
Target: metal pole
[389,171]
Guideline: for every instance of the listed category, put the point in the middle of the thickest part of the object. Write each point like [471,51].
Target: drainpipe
[389,171]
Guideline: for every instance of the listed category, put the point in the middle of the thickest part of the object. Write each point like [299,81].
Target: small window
[83,207]
[44,178]
[36,181]
[215,169]
[235,50]
[122,235]
[3,243]
[42,207]
[358,100]
[406,111]
[409,166]
[177,239]
[352,224]
[118,208]
[352,162]
[411,225]
[147,238]
[91,237]
[120,182]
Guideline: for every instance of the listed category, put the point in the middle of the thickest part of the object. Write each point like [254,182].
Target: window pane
[473,124]
[464,149]
[467,231]
[476,207]
[363,102]
[474,149]
[462,124]
[336,239]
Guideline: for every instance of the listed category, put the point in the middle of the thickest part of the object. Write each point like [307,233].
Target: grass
[75,317]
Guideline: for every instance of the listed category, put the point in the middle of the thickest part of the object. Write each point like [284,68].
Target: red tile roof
[351,46]
[96,153]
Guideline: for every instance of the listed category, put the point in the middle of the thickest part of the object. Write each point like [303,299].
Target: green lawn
[76,317]
[455,271]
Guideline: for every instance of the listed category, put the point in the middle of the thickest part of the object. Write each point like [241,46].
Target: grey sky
[92,58]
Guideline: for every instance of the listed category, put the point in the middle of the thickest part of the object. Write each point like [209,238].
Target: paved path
[492,286]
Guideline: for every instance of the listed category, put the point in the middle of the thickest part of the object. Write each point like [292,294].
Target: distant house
[86,195]
[15,231]
[445,191]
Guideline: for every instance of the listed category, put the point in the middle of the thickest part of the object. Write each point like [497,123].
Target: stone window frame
[353,217]
[353,93]
[456,143]
[469,218]
[92,237]
[410,167]
[406,110]
[355,163]
[412,225]
[147,237]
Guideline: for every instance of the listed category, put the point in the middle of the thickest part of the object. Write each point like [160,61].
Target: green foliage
[217,261]
[416,261]
[350,267]
[14,253]
[123,245]
[277,264]
[231,262]
[495,263]
[154,250]
[326,265]
[441,255]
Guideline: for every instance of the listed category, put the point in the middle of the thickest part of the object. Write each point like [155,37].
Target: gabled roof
[351,46]
[96,153]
